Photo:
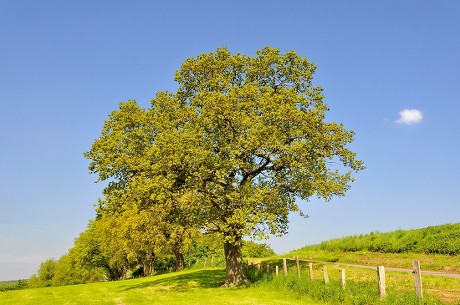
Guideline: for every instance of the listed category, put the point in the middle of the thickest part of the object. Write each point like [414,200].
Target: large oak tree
[234,148]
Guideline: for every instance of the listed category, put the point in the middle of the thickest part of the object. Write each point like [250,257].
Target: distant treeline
[442,239]
[13,285]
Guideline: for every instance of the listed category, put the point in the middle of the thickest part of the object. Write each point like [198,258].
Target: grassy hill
[442,239]
[187,287]
[202,287]
[433,246]
[437,248]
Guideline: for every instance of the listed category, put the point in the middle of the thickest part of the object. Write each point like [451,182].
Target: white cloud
[410,116]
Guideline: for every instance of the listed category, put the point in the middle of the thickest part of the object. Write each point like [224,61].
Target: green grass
[439,290]
[201,286]
[442,239]
[435,247]
[357,292]
[187,287]
[433,262]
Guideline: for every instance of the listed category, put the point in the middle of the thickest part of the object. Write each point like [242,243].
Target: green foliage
[443,239]
[261,119]
[13,285]
[45,274]
[71,271]
[87,249]
[204,246]
[84,263]
[99,255]
[128,238]
[229,152]
[255,250]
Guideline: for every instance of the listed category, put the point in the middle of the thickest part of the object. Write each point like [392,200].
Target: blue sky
[64,65]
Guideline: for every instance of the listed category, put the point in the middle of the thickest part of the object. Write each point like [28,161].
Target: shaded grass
[184,281]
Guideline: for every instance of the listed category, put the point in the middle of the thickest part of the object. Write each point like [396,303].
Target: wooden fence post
[381,281]
[212,261]
[326,275]
[342,278]
[418,280]
[285,267]
[205,259]
[297,266]
[276,270]
[268,268]
[310,270]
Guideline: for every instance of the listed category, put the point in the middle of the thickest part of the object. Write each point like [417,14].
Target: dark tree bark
[180,262]
[148,267]
[114,274]
[234,264]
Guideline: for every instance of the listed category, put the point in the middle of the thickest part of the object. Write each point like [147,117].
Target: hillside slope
[442,239]
[178,288]
[436,247]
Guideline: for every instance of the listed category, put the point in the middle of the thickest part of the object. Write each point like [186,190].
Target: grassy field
[441,239]
[201,286]
[356,292]
[187,287]
[395,249]
[434,262]
[398,284]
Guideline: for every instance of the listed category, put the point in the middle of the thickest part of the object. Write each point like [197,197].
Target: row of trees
[226,155]
[93,258]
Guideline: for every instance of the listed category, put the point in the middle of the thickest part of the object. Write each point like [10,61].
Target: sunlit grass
[361,292]
[434,262]
[188,287]
[435,287]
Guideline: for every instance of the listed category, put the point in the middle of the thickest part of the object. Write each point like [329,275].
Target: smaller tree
[86,257]
[45,274]
[255,250]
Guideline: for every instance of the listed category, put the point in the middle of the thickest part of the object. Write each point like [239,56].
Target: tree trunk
[148,267]
[180,262]
[234,264]
[114,274]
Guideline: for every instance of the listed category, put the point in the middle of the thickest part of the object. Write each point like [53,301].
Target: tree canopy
[230,151]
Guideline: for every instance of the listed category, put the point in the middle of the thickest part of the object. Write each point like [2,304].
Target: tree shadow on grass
[184,282]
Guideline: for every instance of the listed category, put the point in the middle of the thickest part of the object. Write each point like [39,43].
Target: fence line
[204,262]
[381,271]
[342,278]
[423,272]
[418,280]
[381,280]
